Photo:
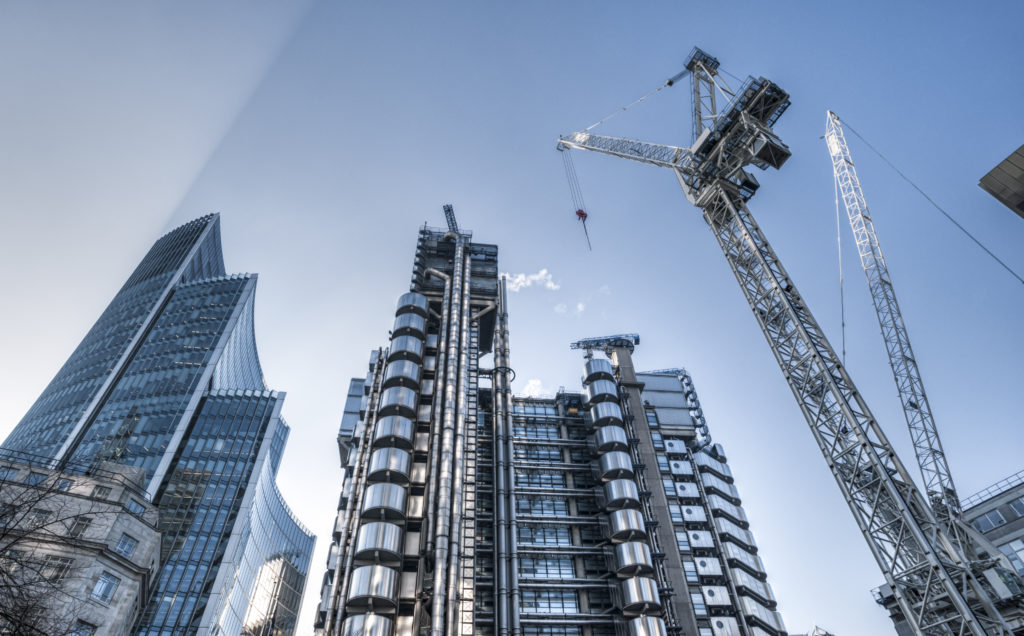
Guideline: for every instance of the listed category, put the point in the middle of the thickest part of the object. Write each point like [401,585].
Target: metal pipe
[359,477]
[459,468]
[513,528]
[500,501]
[489,306]
[444,491]
[435,426]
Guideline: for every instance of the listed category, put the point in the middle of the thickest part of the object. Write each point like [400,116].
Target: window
[697,599]
[546,568]
[100,492]
[34,479]
[676,512]
[105,587]
[64,484]
[37,517]
[539,478]
[539,453]
[1015,551]
[542,506]
[550,630]
[656,439]
[663,464]
[78,527]
[83,629]
[591,534]
[135,507]
[126,546]
[546,535]
[1018,506]
[652,418]
[536,431]
[682,541]
[55,568]
[691,570]
[989,520]
[7,473]
[550,602]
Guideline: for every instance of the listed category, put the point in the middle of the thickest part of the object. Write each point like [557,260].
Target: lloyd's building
[467,510]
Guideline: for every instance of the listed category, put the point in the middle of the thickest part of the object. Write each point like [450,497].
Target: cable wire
[934,204]
[839,249]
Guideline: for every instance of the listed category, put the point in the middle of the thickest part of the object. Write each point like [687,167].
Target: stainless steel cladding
[406,348]
[633,558]
[640,596]
[715,595]
[601,391]
[389,465]
[647,626]
[708,566]
[410,325]
[621,493]
[402,373]
[385,502]
[367,625]
[379,542]
[598,369]
[399,400]
[605,414]
[611,438]
[627,525]
[394,430]
[616,465]
[373,589]
[725,626]
[412,302]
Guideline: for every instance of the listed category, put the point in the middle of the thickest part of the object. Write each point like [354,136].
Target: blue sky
[327,133]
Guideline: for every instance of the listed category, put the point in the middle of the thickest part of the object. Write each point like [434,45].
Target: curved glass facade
[169,380]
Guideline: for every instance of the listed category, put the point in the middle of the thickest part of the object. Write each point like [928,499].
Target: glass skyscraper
[169,380]
[601,511]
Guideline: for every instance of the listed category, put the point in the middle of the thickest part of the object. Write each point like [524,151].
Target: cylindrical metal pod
[598,369]
[605,414]
[410,324]
[412,302]
[406,348]
[633,558]
[647,626]
[373,589]
[402,373]
[367,625]
[389,465]
[621,493]
[379,542]
[611,438]
[601,391]
[616,465]
[627,525]
[640,596]
[385,502]
[394,430]
[399,400]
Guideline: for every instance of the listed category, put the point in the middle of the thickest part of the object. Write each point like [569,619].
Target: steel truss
[937,593]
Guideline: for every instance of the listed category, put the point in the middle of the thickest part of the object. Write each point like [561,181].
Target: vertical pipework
[444,491]
[440,370]
[501,533]
[513,528]
[458,467]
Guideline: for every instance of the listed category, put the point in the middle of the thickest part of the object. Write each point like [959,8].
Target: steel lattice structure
[938,480]
[936,591]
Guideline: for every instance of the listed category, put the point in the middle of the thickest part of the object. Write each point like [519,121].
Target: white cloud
[543,277]
[580,307]
[604,290]
[561,308]
[534,388]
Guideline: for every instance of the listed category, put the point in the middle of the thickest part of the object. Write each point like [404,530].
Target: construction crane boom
[627,340]
[938,480]
[933,586]
[449,216]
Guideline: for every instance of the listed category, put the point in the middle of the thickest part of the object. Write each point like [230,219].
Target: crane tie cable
[839,247]
[637,101]
[934,204]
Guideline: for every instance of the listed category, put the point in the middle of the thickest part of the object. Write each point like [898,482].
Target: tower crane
[606,343]
[933,584]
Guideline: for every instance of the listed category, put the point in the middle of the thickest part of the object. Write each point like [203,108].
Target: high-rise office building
[168,380]
[467,510]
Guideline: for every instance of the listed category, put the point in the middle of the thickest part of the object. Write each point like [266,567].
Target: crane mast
[938,480]
[934,587]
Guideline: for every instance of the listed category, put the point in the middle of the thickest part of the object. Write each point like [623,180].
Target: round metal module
[389,465]
[402,373]
[616,465]
[394,431]
[650,626]
[399,400]
[412,302]
[367,625]
[633,558]
[385,502]
[410,324]
[379,542]
[406,348]
[627,525]
[598,369]
[373,588]
[611,438]
[621,493]
[640,596]
[601,391]
[604,414]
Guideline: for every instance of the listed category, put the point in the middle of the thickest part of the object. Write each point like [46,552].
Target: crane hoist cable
[932,201]
[576,193]
[839,249]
